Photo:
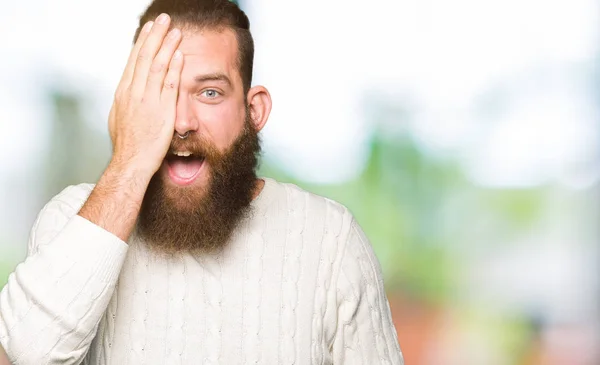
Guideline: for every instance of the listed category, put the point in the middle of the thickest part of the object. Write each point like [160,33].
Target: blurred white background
[481,117]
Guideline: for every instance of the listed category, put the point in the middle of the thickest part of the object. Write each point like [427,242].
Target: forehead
[209,52]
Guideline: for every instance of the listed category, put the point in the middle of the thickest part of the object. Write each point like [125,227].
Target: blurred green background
[474,174]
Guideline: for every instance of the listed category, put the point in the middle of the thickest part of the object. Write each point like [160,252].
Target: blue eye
[210,93]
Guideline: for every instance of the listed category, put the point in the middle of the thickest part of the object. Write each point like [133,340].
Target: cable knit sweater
[298,284]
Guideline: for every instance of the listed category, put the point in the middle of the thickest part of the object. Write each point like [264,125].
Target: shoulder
[314,209]
[57,213]
[318,214]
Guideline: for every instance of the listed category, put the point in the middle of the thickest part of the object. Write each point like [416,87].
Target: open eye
[210,93]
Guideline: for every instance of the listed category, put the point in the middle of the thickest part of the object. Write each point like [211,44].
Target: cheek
[222,122]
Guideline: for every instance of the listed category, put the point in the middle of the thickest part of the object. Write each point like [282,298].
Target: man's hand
[141,125]
[142,118]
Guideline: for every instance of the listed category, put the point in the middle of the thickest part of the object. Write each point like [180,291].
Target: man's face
[195,202]
[211,103]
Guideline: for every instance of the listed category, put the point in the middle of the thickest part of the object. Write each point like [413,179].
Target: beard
[192,218]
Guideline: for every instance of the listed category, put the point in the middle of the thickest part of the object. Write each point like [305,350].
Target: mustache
[194,144]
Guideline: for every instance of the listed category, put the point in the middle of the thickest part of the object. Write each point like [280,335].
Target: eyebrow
[213,77]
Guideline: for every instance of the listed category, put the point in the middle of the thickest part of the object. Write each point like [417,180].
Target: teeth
[182,154]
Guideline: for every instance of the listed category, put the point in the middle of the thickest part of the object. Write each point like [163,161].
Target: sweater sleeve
[365,332]
[52,304]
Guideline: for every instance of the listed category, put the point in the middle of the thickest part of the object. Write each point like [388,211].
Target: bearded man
[180,254]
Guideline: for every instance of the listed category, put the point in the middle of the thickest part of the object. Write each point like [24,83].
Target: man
[180,254]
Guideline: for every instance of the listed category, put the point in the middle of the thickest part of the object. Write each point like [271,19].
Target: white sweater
[298,284]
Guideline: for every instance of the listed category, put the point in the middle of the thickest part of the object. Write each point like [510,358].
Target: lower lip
[179,180]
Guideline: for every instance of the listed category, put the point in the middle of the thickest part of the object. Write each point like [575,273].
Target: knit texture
[298,284]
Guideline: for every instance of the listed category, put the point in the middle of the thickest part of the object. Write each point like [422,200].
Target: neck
[259,185]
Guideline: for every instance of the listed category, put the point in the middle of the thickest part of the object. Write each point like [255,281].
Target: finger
[128,73]
[147,53]
[160,65]
[170,89]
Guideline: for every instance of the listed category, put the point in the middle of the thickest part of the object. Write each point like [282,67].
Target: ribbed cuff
[91,247]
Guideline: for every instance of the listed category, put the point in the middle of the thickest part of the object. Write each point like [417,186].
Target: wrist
[125,178]
[130,171]
[115,202]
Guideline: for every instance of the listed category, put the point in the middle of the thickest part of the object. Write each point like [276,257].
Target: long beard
[195,219]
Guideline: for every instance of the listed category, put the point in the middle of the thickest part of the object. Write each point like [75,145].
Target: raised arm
[53,302]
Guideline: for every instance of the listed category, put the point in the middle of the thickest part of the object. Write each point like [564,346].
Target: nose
[186,122]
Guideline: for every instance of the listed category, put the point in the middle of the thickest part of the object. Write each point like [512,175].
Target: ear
[259,103]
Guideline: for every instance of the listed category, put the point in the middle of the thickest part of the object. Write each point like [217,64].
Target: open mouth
[184,167]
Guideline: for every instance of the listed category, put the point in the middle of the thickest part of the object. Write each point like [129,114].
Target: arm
[115,202]
[53,302]
[365,332]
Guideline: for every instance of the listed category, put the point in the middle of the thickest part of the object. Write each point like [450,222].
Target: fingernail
[177,55]
[148,26]
[162,18]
